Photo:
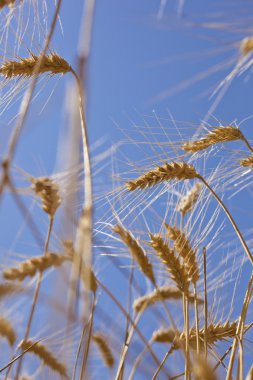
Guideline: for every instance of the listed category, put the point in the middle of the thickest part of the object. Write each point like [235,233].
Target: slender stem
[196,317]
[205,304]
[186,331]
[162,363]
[35,297]
[139,359]
[248,144]
[245,246]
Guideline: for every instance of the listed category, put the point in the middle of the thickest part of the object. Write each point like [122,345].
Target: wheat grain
[49,193]
[184,249]
[34,265]
[104,349]
[7,331]
[45,355]
[172,263]
[246,45]
[136,250]
[174,170]
[160,294]
[25,67]
[217,135]
[188,201]
[247,162]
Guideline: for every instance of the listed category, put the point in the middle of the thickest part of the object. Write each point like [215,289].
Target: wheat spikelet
[49,193]
[4,3]
[247,162]
[136,250]
[172,263]
[184,249]
[8,288]
[24,67]
[246,45]
[174,170]
[104,349]
[7,331]
[161,294]
[220,134]
[34,265]
[188,201]
[164,335]
[45,355]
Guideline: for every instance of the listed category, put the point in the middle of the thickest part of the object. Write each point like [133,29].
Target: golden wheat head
[246,45]
[4,3]
[48,191]
[104,349]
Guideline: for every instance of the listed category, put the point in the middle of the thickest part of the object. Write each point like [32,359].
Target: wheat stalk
[172,263]
[188,201]
[45,355]
[104,349]
[7,331]
[34,265]
[169,171]
[25,67]
[136,250]
[217,135]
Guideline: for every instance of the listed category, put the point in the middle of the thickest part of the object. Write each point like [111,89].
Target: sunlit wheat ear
[187,202]
[246,45]
[171,262]
[202,370]
[174,170]
[48,358]
[7,331]
[247,162]
[217,135]
[164,335]
[4,3]
[184,249]
[34,265]
[161,294]
[48,191]
[25,67]
[104,349]
[136,251]
[9,288]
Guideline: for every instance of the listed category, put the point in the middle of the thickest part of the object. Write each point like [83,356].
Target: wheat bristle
[184,249]
[172,263]
[247,162]
[48,191]
[45,355]
[104,349]
[187,202]
[34,265]
[24,67]
[136,250]
[167,172]
[246,45]
[217,135]
[7,331]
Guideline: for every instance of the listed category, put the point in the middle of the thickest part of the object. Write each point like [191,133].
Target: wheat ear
[9,288]
[34,265]
[217,135]
[167,172]
[172,263]
[202,370]
[25,67]
[137,251]
[104,349]
[184,249]
[48,191]
[246,45]
[4,3]
[45,355]
[187,202]
[7,331]
[247,162]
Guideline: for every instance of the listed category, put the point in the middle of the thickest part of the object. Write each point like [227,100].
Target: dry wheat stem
[45,355]
[196,318]
[161,364]
[136,251]
[167,172]
[104,348]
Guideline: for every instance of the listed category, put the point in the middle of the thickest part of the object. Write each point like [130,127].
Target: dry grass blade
[167,172]
[160,294]
[188,201]
[184,249]
[246,46]
[25,67]
[104,349]
[220,134]
[136,250]
[45,355]
[49,193]
[172,263]
[7,331]
[247,162]
[34,265]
